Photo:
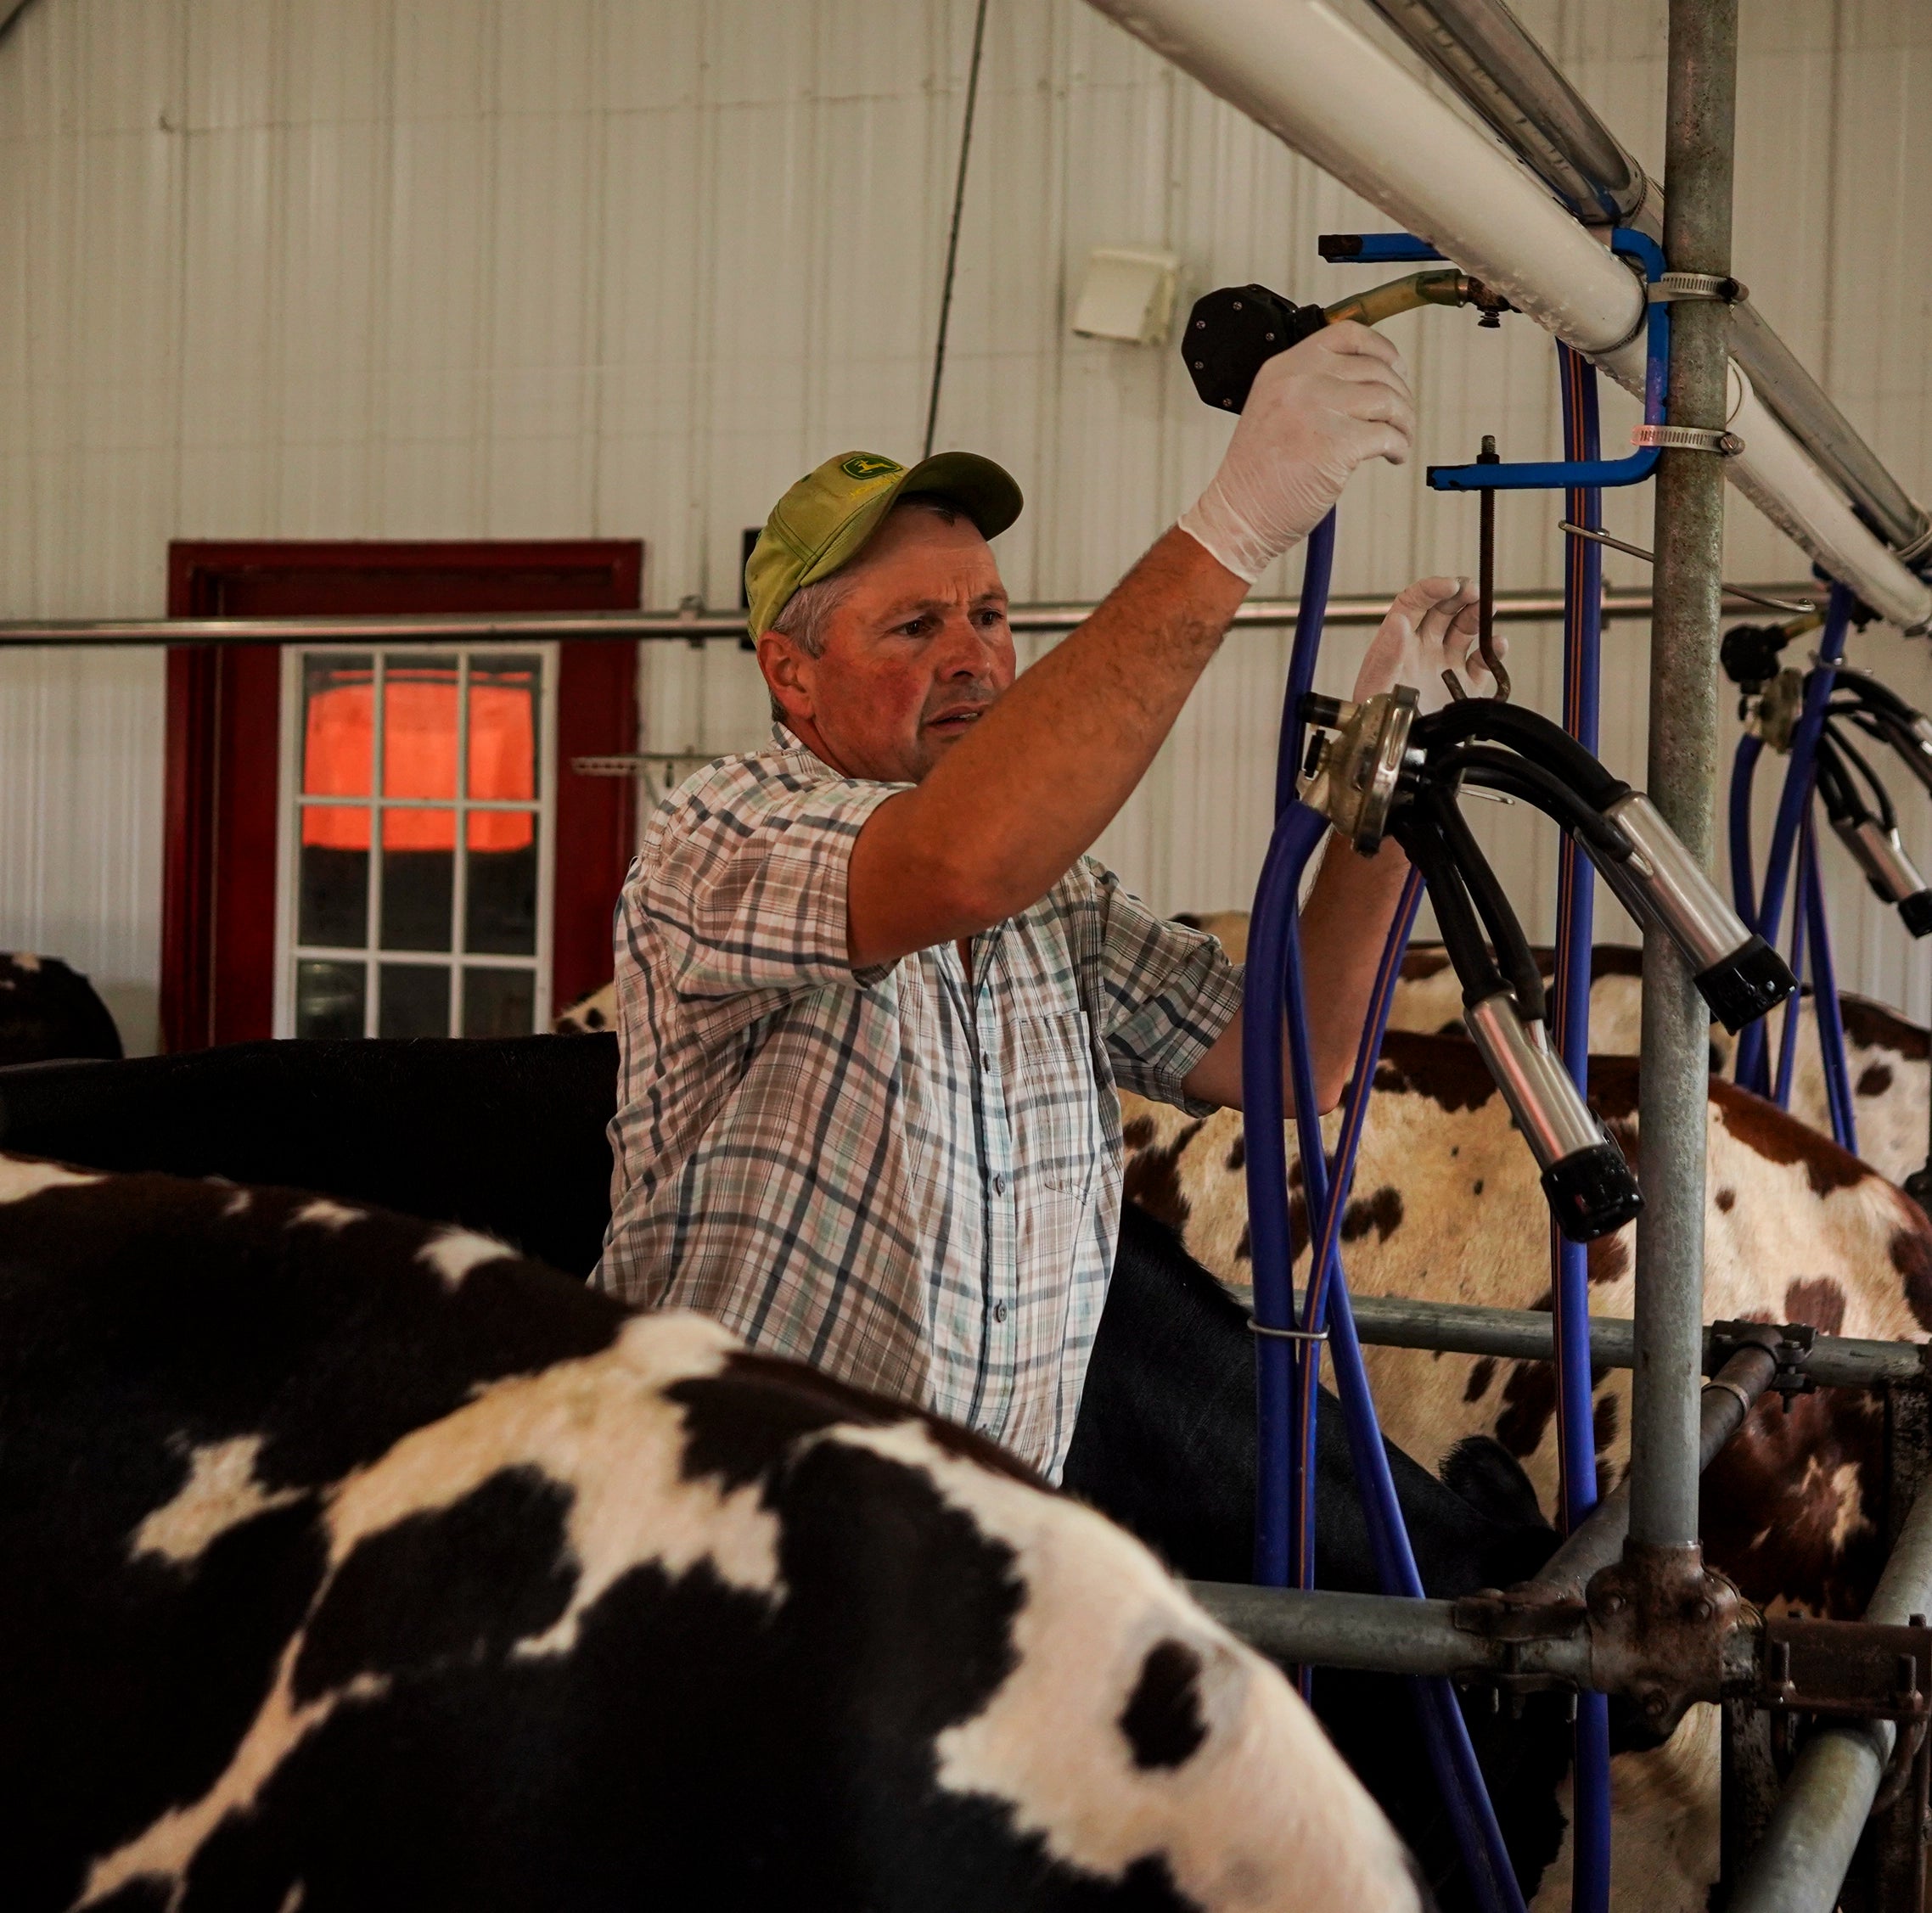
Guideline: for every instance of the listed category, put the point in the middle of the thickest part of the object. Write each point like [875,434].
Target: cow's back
[374,1565]
[502,1135]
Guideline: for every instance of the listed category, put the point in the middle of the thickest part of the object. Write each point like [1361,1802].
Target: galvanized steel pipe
[1381,1634]
[1800,1863]
[1480,48]
[1311,79]
[1395,1321]
[1673,1088]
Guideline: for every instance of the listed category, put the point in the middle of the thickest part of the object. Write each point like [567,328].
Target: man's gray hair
[806,617]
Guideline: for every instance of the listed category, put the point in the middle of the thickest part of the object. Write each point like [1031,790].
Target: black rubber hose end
[1592,1193]
[1917,911]
[1753,981]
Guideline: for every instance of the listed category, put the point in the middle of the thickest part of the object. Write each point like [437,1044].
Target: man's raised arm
[1005,813]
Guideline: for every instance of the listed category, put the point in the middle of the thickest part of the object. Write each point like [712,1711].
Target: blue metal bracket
[1374,248]
[1557,473]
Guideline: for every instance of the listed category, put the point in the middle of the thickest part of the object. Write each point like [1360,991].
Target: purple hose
[1576,1437]
[1754,1071]
[1824,997]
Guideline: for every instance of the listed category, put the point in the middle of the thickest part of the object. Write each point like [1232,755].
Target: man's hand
[1429,629]
[1317,412]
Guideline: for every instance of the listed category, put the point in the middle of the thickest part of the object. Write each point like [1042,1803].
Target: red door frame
[224,727]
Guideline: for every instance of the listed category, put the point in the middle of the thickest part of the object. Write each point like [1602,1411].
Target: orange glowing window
[419,751]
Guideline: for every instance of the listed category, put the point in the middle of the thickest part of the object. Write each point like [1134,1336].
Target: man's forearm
[1344,929]
[1003,816]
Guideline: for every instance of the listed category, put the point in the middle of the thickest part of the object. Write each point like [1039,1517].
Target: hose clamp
[1717,286]
[1286,1335]
[1687,438]
[1745,1400]
[1920,546]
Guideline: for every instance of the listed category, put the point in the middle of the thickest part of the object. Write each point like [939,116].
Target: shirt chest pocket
[1054,1102]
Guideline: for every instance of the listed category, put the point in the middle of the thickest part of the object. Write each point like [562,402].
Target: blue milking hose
[1583,632]
[1273,984]
[1753,1070]
[1824,997]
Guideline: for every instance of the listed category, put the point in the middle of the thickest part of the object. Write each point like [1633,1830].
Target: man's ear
[786,670]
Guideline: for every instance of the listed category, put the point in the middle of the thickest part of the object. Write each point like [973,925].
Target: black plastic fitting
[1233,332]
[1751,982]
[1751,654]
[1592,1193]
[1916,913]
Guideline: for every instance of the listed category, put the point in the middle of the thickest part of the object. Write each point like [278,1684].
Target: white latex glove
[1430,628]
[1315,412]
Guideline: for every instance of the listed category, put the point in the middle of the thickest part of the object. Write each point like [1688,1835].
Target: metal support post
[1889,1869]
[1802,1862]
[1683,780]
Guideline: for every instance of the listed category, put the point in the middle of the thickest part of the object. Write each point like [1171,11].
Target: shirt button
[999,1311]
[999,1185]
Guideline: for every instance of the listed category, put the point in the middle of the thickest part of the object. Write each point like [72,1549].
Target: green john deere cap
[826,518]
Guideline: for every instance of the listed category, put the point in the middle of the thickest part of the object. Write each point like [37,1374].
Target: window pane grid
[324,999]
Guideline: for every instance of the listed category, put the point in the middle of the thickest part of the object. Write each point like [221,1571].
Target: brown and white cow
[1886,1057]
[1447,1207]
[1889,1058]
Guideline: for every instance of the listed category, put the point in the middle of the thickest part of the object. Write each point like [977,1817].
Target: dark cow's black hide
[697,1746]
[505,1135]
[1165,1443]
[508,1136]
[47,1010]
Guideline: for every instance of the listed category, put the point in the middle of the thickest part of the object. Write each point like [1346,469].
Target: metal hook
[1485,579]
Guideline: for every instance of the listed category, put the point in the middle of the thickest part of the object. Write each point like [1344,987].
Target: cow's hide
[47,1010]
[356,1562]
[588,1015]
[1886,1056]
[1447,1207]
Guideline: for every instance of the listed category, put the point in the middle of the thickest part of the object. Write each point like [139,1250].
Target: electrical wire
[952,238]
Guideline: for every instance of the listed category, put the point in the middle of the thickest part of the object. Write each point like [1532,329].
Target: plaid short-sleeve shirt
[905,1174]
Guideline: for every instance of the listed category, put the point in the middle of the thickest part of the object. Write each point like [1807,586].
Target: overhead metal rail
[697,625]
[1480,48]
[1310,77]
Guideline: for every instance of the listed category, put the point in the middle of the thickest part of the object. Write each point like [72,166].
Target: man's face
[918,649]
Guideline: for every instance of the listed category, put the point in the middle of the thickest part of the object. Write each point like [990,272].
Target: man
[874,1000]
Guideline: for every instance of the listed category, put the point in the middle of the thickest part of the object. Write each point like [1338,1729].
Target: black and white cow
[356,1562]
[1164,1441]
[47,1010]
[503,1134]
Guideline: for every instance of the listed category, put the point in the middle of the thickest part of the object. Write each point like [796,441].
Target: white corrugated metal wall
[517,268]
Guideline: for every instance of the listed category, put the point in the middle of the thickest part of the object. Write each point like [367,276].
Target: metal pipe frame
[695,626]
[1383,1634]
[1700,131]
[1801,1862]
[1459,1328]
[1480,49]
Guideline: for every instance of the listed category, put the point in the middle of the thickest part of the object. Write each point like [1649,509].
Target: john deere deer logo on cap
[864,465]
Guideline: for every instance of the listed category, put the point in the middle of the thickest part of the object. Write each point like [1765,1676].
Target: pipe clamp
[1286,1335]
[1687,438]
[1720,287]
